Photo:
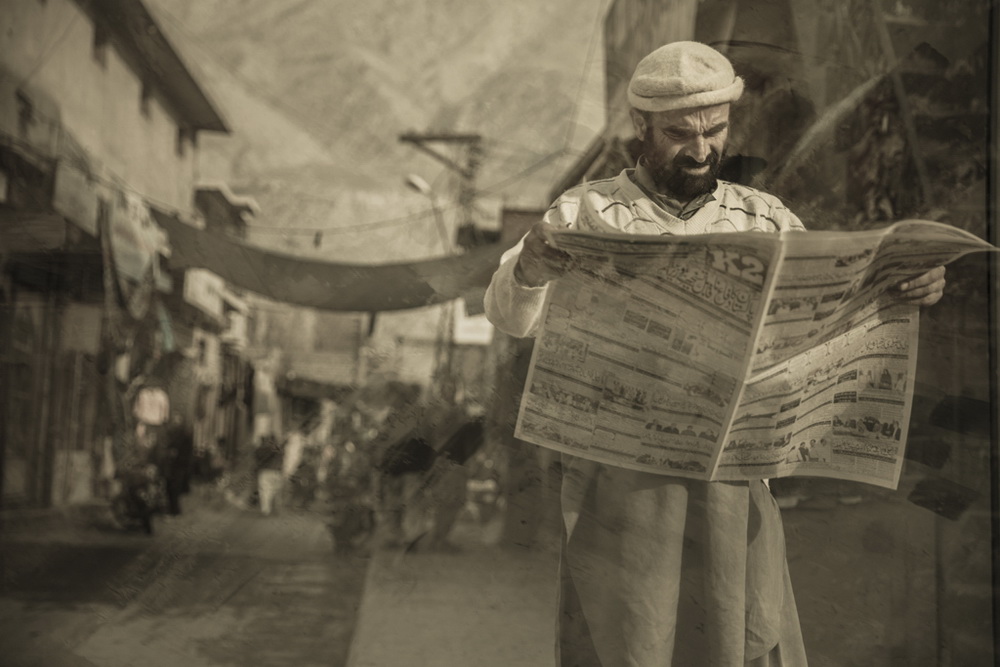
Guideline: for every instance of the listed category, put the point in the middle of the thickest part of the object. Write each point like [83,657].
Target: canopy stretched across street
[330,285]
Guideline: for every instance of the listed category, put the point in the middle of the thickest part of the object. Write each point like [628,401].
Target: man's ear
[639,123]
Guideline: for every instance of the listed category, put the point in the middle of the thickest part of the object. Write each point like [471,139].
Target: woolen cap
[683,75]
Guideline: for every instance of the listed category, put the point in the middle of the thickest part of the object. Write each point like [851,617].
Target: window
[183,137]
[100,48]
[103,212]
[25,114]
[144,98]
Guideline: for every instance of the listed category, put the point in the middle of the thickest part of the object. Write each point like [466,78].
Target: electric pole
[466,166]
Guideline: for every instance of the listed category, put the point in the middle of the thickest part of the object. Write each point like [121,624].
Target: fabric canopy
[330,285]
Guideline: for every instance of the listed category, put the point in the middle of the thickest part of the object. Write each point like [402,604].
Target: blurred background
[235,226]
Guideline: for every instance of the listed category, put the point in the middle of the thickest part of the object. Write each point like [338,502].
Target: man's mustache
[688,162]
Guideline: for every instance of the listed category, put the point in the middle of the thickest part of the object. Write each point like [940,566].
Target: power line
[121,183]
[377,224]
[50,50]
[535,166]
[591,48]
[84,164]
[308,123]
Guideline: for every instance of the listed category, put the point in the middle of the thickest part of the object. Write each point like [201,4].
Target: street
[219,585]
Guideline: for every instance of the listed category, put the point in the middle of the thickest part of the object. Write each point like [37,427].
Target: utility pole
[466,166]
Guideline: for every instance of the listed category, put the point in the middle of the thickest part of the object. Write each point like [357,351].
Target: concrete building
[99,122]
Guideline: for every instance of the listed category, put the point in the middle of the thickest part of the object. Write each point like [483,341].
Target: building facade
[99,124]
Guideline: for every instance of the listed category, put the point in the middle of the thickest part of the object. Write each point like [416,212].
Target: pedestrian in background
[447,481]
[177,462]
[269,457]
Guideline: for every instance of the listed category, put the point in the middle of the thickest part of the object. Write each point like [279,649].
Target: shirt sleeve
[785,219]
[514,308]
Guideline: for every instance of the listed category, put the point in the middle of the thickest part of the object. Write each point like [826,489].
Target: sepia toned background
[279,217]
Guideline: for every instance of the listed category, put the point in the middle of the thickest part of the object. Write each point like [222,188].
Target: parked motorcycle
[141,496]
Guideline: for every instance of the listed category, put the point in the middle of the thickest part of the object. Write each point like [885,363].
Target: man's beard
[672,179]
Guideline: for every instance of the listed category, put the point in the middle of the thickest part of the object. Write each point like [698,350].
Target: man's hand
[922,290]
[540,261]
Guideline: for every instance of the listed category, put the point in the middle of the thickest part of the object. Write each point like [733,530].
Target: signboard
[470,330]
[75,197]
[203,290]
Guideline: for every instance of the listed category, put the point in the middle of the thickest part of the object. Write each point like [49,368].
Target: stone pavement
[218,586]
[484,605]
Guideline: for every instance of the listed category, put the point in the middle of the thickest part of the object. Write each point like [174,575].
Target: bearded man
[659,570]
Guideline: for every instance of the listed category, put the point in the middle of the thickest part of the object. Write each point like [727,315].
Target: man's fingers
[543,246]
[540,261]
[925,290]
[544,231]
[928,300]
[932,277]
[926,295]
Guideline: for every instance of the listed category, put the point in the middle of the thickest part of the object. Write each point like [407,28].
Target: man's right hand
[540,261]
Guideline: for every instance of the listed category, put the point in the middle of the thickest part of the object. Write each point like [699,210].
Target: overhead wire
[524,173]
[121,182]
[565,149]
[591,49]
[375,224]
[50,50]
[326,133]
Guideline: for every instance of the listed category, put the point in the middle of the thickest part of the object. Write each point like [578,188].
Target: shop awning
[31,231]
[330,285]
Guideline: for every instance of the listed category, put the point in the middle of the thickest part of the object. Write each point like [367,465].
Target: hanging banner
[135,238]
[331,285]
[75,197]
[136,243]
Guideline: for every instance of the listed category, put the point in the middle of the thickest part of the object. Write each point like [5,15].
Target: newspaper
[734,356]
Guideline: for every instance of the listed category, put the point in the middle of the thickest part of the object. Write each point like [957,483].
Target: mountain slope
[355,75]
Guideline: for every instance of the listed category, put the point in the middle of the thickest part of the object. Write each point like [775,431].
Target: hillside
[317,93]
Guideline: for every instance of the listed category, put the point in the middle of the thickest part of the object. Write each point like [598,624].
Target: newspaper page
[832,373]
[644,349]
[734,356]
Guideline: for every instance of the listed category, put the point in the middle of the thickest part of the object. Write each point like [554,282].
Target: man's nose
[699,149]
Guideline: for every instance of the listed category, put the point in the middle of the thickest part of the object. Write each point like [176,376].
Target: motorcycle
[141,496]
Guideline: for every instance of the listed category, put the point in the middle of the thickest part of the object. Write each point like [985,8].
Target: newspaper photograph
[734,356]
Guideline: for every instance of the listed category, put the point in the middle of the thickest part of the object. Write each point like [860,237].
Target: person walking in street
[447,482]
[269,457]
[659,570]
[177,462]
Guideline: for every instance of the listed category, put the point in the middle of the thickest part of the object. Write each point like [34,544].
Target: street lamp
[423,187]
[443,348]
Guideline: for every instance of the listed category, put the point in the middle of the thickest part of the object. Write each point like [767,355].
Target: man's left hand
[922,290]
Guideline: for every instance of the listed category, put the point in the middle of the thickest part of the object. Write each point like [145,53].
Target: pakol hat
[683,75]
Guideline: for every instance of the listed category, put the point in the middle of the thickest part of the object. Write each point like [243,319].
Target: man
[658,570]
[447,481]
[269,457]
[177,462]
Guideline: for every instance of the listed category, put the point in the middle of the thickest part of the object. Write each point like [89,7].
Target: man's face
[684,148]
